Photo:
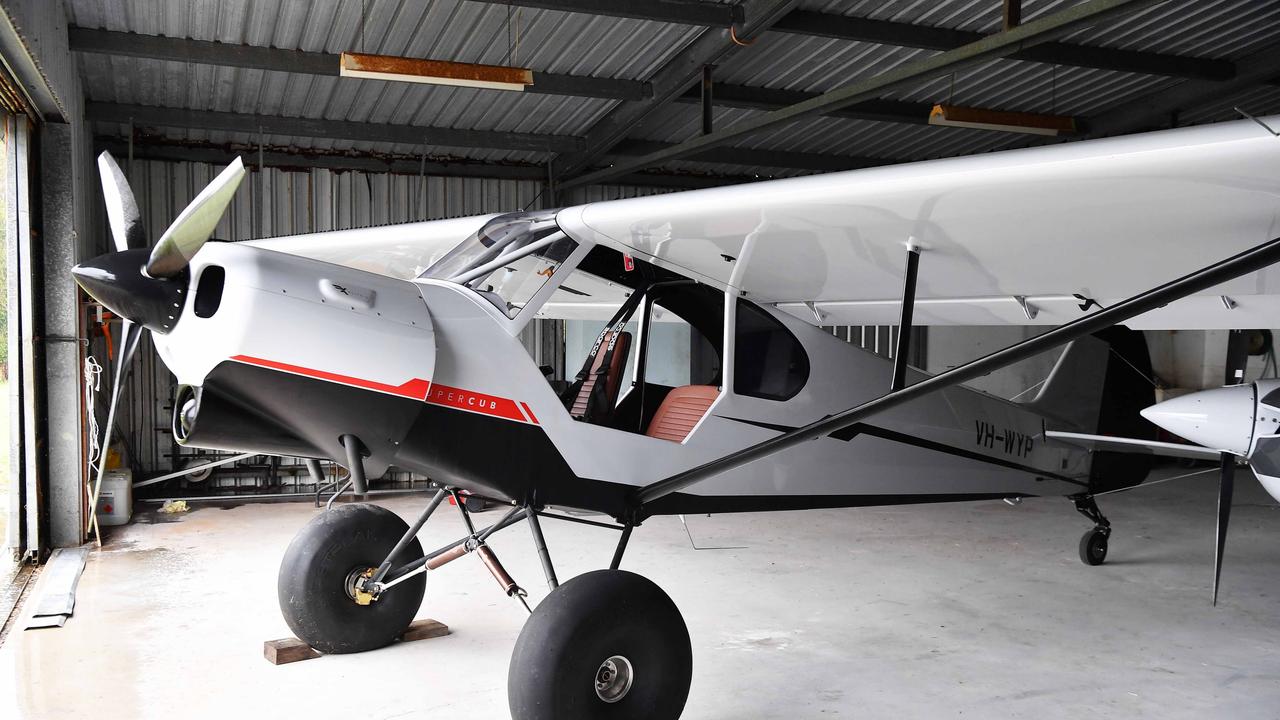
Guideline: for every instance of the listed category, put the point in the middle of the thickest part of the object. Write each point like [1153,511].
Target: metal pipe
[1246,262]
[622,547]
[462,509]
[533,247]
[408,537]
[338,493]
[707,109]
[540,544]
[584,521]
[904,320]
[314,469]
[502,524]
[355,463]
[261,496]
[190,470]
[513,512]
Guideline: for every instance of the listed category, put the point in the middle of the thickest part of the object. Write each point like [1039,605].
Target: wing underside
[1026,237]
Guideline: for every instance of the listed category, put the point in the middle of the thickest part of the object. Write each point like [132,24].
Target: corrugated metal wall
[281,202]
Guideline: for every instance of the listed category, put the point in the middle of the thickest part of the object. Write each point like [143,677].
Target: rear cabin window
[769,361]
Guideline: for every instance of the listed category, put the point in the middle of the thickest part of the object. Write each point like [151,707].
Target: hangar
[759,304]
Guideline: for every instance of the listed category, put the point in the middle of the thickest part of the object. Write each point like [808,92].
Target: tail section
[1073,393]
[1099,386]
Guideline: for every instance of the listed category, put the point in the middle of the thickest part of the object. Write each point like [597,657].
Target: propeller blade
[129,336]
[1226,487]
[195,224]
[1234,369]
[122,208]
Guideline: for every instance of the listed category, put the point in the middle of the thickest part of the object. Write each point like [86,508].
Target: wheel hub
[614,679]
[355,585]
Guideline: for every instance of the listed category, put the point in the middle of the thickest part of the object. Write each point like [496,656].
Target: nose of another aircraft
[1221,419]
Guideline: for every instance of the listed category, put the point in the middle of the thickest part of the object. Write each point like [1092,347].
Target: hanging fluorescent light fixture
[1003,120]
[434,72]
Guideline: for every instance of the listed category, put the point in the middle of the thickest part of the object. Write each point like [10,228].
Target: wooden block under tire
[289,650]
[424,629]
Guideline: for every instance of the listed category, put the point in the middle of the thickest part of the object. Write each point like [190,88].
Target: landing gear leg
[1093,545]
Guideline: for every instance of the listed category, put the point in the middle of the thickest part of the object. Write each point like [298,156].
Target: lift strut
[904,319]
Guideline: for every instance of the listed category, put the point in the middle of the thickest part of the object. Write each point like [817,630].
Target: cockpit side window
[769,362]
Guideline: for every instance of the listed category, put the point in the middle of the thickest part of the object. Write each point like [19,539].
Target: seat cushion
[680,411]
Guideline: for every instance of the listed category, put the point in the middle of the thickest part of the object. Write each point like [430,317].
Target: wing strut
[899,380]
[1246,262]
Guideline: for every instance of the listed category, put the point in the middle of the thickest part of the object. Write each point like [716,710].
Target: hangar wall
[45,440]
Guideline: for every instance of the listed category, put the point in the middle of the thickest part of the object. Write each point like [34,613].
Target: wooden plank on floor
[424,629]
[289,650]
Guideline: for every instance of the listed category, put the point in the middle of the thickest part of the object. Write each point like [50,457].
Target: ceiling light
[435,72]
[1005,120]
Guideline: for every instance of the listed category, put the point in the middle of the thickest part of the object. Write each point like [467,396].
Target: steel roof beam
[759,98]
[782,159]
[373,163]
[1002,44]
[676,76]
[804,22]
[334,129]
[886,32]
[155,47]
[680,12]
[343,130]
[1261,67]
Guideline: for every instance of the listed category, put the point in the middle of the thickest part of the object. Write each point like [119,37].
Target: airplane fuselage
[433,379]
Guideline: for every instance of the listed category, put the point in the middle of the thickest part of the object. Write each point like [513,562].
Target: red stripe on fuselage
[528,411]
[475,402]
[416,388]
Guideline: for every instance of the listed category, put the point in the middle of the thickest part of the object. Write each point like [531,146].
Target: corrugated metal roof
[631,49]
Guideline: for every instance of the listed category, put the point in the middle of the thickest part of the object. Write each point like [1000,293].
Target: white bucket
[115,500]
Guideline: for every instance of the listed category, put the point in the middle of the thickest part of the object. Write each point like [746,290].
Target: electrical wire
[92,384]
[1156,482]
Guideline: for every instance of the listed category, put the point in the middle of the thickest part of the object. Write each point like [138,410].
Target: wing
[1007,238]
[399,251]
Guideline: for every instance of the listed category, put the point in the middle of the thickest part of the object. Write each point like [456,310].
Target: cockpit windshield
[508,260]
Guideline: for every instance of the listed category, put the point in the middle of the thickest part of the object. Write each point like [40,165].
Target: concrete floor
[979,610]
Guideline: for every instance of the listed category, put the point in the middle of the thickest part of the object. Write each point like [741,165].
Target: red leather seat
[613,378]
[680,411]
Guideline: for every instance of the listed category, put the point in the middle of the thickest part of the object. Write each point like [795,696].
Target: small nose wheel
[1093,546]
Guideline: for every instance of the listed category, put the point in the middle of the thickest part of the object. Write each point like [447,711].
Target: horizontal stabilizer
[1134,445]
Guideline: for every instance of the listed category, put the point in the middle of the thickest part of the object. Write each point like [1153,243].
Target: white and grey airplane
[1166,230]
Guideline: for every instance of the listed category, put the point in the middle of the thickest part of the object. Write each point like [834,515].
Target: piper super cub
[1174,229]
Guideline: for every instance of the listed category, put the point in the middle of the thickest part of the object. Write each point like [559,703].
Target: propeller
[146,288]
[1237,357]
